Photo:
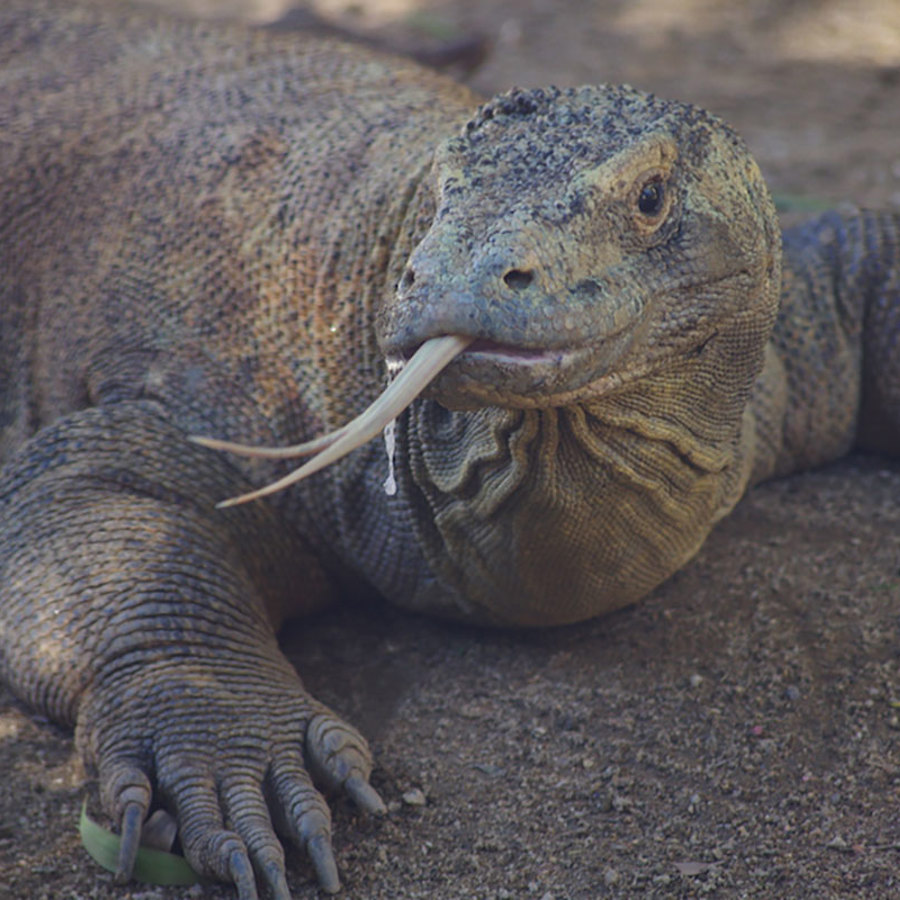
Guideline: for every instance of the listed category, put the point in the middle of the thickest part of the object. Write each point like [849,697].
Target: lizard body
[207,231]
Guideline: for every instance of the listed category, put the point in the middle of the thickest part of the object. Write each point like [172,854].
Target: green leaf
[800,203]
[150,867]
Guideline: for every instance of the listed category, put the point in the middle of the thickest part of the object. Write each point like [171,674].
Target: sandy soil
[735,735]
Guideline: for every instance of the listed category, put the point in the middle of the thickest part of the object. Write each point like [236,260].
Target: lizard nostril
[408,279]
[518,279]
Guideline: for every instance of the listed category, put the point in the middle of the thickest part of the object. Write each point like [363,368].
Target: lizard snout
[490,289]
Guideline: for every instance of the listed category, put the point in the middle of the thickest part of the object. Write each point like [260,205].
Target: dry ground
[735,735]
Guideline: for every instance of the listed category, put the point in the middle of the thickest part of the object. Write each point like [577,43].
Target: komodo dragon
[236,235]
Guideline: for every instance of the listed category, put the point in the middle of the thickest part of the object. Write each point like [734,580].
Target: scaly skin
[204,231]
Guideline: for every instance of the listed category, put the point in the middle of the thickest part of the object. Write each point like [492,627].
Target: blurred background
[814,85]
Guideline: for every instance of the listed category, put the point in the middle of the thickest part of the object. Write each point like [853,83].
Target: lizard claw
[130,830]
[322,857]
[241,873]
[126,794]
[364,795]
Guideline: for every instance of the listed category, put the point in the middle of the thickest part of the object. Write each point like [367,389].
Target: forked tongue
[430,359]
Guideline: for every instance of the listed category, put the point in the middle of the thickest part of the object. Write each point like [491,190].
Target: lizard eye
[652,198]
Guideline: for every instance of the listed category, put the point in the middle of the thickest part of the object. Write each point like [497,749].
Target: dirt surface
[735,735]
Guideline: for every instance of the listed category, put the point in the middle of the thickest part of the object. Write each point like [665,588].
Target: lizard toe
[211,848]
[248,814]
[339,758]
[306,817]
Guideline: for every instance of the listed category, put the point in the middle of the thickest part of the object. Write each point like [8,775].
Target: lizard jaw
[413,377]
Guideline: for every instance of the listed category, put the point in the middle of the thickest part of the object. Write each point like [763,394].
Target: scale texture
[212,231]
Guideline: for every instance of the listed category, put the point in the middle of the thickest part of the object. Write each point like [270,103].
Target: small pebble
[414,797]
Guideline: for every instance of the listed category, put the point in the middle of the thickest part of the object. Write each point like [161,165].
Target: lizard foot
[235,760]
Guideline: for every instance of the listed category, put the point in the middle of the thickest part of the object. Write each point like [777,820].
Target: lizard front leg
[836,359]
[134,610]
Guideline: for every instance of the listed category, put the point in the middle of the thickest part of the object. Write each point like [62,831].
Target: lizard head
[582,238]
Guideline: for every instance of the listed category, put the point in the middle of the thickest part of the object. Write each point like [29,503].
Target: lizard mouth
[482,349]
[489,373]
[412,377]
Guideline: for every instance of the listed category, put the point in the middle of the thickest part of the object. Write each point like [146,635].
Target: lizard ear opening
[430,359]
